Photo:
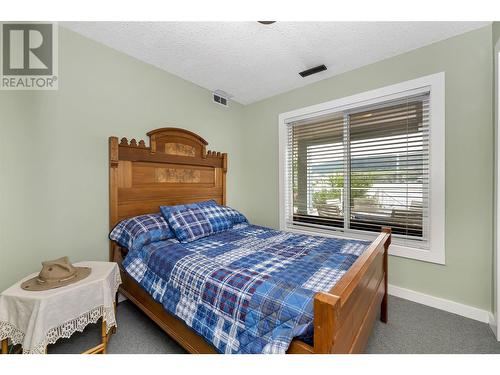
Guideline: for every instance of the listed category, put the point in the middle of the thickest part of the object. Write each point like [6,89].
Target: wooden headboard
[176,168]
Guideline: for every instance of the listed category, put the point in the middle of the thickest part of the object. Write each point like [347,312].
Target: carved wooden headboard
[176,168]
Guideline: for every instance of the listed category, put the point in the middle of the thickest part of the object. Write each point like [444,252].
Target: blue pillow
[165,210]
[141,230]
[221,213]
[192,223]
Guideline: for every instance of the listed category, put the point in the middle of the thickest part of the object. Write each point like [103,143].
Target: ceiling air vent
[314,70]
[221,97]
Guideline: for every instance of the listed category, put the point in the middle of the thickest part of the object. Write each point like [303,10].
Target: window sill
[437,257]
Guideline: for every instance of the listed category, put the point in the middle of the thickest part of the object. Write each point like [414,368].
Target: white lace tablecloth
[35,319]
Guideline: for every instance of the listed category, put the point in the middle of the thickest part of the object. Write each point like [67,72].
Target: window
[351,166]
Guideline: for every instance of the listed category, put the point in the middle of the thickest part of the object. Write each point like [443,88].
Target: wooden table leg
[104,336]
[103,346]
[113,329]
[5,346]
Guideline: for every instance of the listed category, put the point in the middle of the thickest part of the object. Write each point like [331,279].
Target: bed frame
[176,168]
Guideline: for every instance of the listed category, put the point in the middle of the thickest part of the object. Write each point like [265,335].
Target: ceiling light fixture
[266,22]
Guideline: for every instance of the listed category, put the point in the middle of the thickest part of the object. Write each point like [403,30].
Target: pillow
[214,214]
[141,230]
[190,224]
[236,216]
[165,210]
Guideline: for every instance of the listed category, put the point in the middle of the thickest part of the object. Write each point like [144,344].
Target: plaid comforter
[249,289]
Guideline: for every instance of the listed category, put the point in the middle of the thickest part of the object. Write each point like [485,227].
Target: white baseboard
[440,303]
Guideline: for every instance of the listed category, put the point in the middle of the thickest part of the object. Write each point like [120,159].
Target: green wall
[54,150]
[496,51]
[467,61]
[53,153]
[496,32]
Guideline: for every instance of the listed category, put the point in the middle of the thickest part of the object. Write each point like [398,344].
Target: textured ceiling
[253,61]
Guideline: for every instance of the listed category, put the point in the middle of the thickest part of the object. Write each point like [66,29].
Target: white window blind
[362,168]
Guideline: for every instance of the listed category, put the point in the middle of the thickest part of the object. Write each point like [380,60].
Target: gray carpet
[412,328]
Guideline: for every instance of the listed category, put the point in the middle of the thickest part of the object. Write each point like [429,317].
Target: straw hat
[56,273]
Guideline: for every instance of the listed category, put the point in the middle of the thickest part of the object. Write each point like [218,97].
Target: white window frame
[435,83]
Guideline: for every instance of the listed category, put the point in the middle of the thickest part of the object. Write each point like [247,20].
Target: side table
[36,319]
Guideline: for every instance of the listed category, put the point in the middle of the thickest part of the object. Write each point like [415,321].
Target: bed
[176,168]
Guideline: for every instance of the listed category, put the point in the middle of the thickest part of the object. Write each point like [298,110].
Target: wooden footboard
[344,317]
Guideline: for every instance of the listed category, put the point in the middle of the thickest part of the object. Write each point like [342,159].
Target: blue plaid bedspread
[249,289]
